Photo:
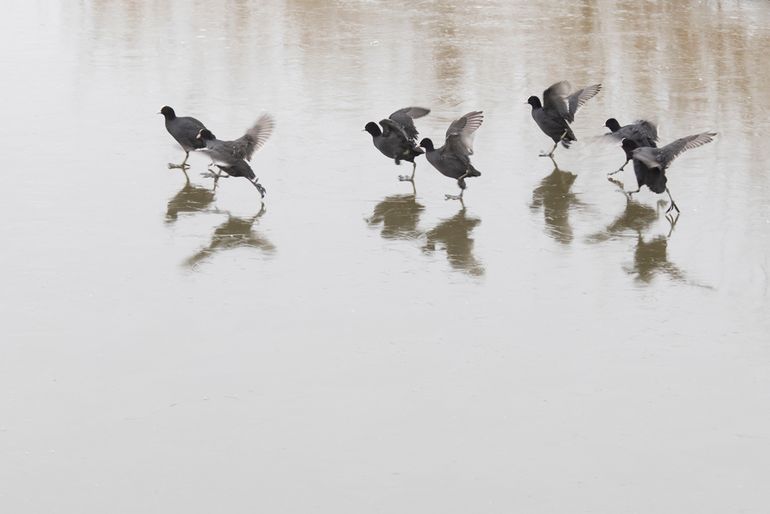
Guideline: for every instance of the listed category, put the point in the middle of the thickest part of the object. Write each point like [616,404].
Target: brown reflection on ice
[399,216]
[553,195]
[651,259]
[650,256]
[636,217]
[189,199]
[455,235]
[236,232]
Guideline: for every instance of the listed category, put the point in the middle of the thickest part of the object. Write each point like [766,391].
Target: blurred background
[357,344]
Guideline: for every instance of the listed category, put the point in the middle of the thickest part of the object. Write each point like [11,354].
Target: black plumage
[229,156]
[184,130]
[397,139]
[453,159]
[650,164]
[558,110]
[642,132]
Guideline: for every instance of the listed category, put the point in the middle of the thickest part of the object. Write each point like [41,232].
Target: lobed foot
[261,189]
[672,221]
[405,178]
[173,166]
[545,154]
[672,206]
[453,197]
[614,172]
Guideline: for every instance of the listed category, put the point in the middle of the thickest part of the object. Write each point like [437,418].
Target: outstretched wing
[393,128]
[555,98]
[460,133]
[254,138]
[578,98]
[648,129]
[641,132]
[662,157]
[405,117]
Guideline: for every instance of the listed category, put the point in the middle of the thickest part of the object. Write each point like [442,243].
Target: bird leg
[461,184]
[672,221]
[555,165]
[620,187]
[618,170]
[550,154]
[405,178]
[260,188]
[182,166]
[455,197]
[629,193]
[673,203]
[217,177]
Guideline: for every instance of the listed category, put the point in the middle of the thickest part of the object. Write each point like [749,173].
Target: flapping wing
[254,138]
[662,157]
[647,129]
[672,150]
[393,128]
[462,131]
[641,132]
[555,98]
[405,117]
[224,153]
[578,98]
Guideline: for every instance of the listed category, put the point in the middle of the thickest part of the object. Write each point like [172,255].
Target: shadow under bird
[453,159]
[189,199]
[399,216]
[650,164]
[642,132]
[231,156]
[555,196]
[236,232]
[397,139]
[455,235]
[184,130]
[558,110]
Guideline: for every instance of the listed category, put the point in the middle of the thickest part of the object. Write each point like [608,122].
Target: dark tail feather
[473,172]
[656,180]
[568,138]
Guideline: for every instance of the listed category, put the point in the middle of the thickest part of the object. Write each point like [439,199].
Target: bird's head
[204,134]
[427,144]
[612,124]
[167,112]
[534,102]
[373,129]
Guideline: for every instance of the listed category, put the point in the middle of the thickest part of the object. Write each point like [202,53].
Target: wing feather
[578,98]
[673,150]
[254,138]
[648,128]
[406,116]
[391,127]
[462,130]
[555,98]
